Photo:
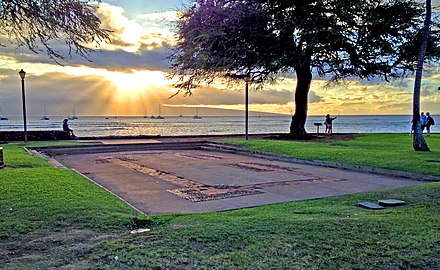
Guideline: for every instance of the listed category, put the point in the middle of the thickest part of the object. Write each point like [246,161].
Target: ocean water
[212,125]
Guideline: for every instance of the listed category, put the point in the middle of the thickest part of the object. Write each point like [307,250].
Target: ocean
[209,125]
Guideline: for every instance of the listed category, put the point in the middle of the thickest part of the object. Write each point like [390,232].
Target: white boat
[197,114]
[158,116]
[73,117]
[45,114]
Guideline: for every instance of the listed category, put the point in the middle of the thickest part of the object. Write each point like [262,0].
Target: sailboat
[1,115]
[145,114]
[197,114]
[73,117]
[159,117]
[45,114]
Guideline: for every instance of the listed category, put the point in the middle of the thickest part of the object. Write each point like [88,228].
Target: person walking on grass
[429,122]
[68,129]
[329,124]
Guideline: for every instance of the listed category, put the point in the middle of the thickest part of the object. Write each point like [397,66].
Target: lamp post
[23,97]
[247,79]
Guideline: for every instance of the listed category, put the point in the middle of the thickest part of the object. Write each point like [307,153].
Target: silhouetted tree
[40,24]
[262,38]
[419,143]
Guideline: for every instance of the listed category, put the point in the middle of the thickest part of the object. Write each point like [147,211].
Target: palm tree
[419,143]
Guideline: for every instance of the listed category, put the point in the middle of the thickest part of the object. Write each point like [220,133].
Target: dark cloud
[155,59]
[215,96]
[313,97]
[8,72]
[148,57]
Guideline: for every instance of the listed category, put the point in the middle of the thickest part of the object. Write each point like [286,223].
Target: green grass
[15,156]
[54,218]
[45,210]
[388,151]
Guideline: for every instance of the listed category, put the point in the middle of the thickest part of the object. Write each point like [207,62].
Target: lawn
[54,218]
[388,151]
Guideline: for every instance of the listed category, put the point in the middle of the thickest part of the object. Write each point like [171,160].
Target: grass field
[54,218]
[388,151]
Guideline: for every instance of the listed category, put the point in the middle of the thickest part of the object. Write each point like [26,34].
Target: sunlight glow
[132,83]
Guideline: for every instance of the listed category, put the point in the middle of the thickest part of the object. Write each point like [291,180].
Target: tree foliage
[43,24]
[336,38]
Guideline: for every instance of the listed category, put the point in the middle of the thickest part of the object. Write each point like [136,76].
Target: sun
[137,82]
[126,83]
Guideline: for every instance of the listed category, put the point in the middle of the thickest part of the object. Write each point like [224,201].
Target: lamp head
[247,78]
[22,73]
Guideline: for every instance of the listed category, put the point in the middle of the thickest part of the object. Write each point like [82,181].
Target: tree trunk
[304,79]
[419,143]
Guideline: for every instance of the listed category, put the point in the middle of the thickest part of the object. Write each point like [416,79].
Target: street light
[22,75]
[247,79]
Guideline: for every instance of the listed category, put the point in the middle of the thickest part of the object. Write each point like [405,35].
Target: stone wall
[47,135]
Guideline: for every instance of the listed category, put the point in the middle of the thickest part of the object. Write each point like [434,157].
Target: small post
[247,79]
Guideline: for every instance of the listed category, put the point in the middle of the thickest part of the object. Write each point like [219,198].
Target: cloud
[313,97]
[425,92]
[133,46]
[157,19]
[130,36]
[216,96]
[120,60]
[114,60]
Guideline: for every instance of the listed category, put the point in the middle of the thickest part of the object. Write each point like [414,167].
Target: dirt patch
[58,247]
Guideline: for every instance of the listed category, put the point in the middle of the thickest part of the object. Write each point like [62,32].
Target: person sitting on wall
[68,129]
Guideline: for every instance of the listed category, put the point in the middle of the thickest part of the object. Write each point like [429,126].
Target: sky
[129,77]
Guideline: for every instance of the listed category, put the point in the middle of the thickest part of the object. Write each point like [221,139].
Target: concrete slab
[370,205]
[189,181]
[391,202]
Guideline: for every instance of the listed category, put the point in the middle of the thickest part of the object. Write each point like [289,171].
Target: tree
[419,143]
[337,38]
[38,24]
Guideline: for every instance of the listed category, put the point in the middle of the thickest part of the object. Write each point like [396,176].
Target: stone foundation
[47,135]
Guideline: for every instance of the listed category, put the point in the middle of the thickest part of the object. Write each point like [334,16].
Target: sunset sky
[127,77]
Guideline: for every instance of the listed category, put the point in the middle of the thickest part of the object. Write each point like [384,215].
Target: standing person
[429,122]
[423,119]
[329,124]
[66,128]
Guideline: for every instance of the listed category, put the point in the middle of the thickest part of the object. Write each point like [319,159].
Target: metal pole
[247,111]
[24,110]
